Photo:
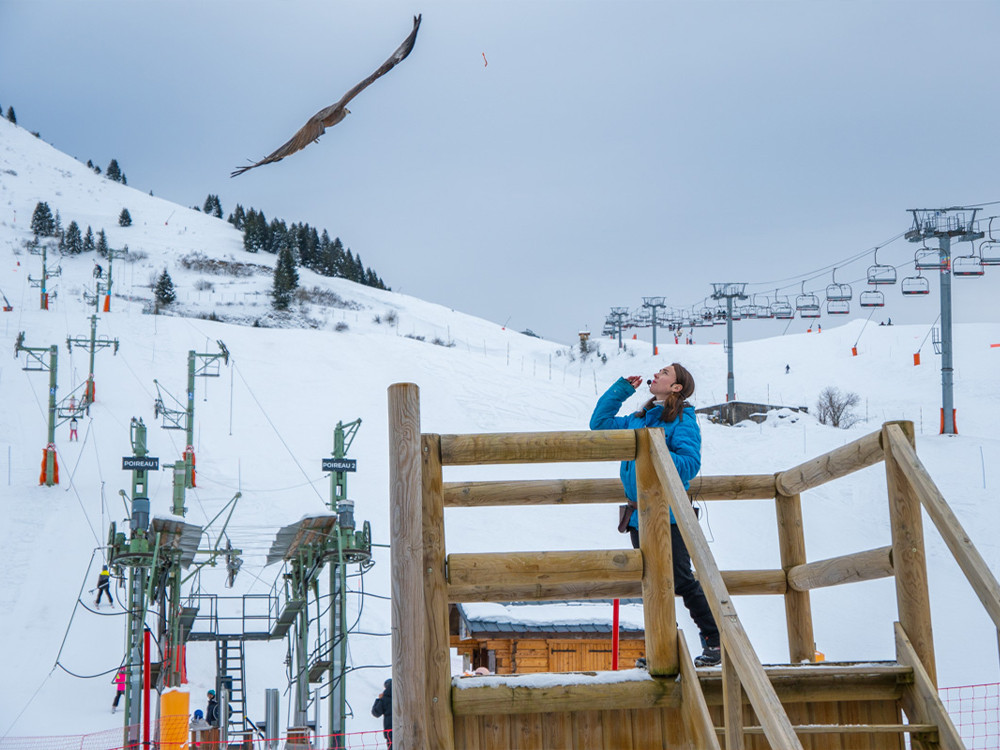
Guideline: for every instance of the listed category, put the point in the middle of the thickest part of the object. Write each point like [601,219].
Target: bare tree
[836,408]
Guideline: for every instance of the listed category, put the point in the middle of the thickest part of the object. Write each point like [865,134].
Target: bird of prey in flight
[330,116]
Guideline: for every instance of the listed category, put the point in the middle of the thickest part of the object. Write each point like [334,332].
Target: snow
[263,426]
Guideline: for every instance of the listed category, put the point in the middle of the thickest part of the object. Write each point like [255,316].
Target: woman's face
[664,383]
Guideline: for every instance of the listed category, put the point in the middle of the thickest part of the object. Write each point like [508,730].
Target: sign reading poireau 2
[340,464]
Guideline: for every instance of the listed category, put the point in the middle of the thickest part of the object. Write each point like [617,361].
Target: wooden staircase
[742,703]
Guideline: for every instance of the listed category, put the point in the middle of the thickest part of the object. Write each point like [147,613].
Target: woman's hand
[634,380]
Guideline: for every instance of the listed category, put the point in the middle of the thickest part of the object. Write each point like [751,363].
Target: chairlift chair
[966,266]
[929,259]
[748,311]
[810,312]
[807,304]
[912,285]
[880,273]
[838,292]
[872,298]
[737,314]
[782,310]
[838,306]
[989,253]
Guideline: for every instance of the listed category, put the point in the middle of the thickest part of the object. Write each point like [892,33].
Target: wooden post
[732,703]
[798,609]
[411,701]
[659,616]
[908,556]
[441,725]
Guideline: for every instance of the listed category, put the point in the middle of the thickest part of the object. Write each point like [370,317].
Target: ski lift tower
[618,315]
[729,291]
[944,225]
[653,303]
[94,344]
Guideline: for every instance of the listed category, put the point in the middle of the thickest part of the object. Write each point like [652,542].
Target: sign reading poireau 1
[132,463]
[340,464]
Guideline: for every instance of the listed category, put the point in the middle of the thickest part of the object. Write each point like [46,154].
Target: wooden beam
[659,615]
[840,462]
[798,608]
[908,555]
[409,624]
[538,447]
[577,491]
[527,586]
[921,700]
[534,576]
[850,729]
[734,638]
[501,694]
[437,654]
[533,492]
[857,566]
[822,682]
[738,487]
[969,560]
[732,704]
[694,710]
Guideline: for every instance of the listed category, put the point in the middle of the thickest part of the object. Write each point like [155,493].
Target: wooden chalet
[518,638]
[803,705]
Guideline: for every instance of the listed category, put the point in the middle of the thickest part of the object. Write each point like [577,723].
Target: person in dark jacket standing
[668,410]
[212,709]
[104,586]
[383,707]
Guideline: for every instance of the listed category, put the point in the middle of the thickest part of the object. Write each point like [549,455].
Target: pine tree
[11,116]
[124,181]
[165,293]
[238,217]
[286,279]
[102,244]
[113,172]
[124,218]
[42,222]
[88,241]
[74,240]
[57,229]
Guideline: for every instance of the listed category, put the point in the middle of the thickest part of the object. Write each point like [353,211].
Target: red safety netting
[131,738]
[975,711]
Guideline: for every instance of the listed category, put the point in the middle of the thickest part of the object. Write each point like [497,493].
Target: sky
[536,163]
[263,426]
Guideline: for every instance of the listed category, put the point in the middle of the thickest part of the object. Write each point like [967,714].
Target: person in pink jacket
[119,681]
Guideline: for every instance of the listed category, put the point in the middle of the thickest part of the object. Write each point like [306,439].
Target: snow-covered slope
[264,424]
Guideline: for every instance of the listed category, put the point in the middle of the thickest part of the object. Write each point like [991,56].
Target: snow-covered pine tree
[113,172]
[43,224]
[88,241]
[124,218]
[74,241]
[286,279]
[102,244]
[165,292]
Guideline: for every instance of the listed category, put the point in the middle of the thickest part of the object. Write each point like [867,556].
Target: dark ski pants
[104,588]
[687,587]
[118,696]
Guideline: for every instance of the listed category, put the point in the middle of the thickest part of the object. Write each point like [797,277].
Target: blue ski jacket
[682,435]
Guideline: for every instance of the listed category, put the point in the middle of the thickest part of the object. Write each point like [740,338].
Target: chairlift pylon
[880,273]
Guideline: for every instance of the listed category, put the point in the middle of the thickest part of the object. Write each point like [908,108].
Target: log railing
[425,580]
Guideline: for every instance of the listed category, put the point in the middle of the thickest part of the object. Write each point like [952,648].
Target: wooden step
[924,729]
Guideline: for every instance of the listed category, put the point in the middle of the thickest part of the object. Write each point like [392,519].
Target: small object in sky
[485,63]
[330,116]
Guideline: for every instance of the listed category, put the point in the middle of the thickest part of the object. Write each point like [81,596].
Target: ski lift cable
[865,325]
[929,331]
[276,432]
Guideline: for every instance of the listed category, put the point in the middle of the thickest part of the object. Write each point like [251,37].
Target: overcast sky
[608,151]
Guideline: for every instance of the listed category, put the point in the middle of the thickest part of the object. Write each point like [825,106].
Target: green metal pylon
[93,344]
[42,248]
[184,470]
[36,360]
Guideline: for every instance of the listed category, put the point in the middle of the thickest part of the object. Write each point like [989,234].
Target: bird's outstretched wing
[329,116]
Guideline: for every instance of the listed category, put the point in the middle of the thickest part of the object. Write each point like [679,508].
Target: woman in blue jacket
[667,409]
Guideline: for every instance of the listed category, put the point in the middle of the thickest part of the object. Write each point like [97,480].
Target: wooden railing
[425,580]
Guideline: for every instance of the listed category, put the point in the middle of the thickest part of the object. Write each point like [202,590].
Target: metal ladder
[229,660]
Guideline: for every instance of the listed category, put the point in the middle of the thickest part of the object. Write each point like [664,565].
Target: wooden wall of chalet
[527,655]
[640,729]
